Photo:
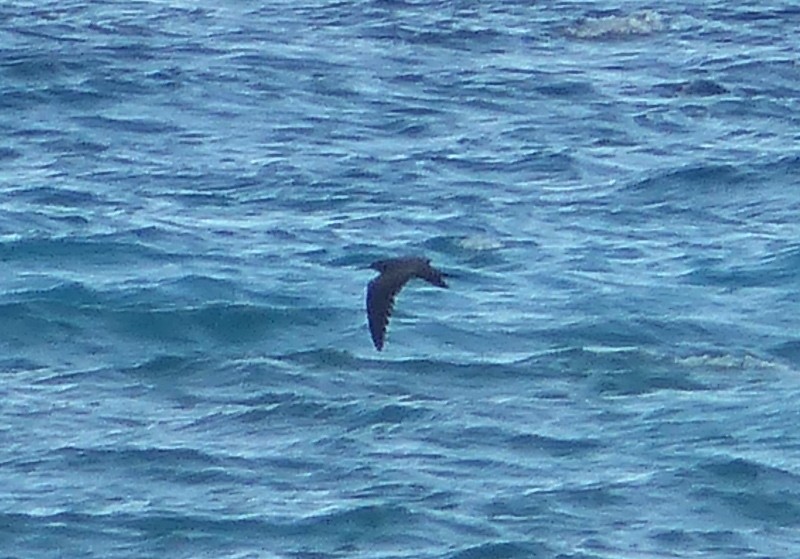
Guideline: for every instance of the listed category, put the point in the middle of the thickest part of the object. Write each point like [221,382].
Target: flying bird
[381,291]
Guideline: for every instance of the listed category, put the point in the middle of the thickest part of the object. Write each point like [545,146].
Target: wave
[184,465]
[53,253]
[503,550]
[645,22]
[781,269]
[178,318]
[729,183]
[748,489]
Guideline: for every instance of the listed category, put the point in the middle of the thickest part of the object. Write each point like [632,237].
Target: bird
[381,291]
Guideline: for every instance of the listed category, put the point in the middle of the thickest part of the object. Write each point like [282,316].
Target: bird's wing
[380,301]
[430,274]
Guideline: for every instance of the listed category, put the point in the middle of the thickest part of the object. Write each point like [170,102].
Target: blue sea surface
[191,193]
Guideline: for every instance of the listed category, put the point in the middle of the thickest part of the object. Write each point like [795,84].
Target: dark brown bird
[381,291]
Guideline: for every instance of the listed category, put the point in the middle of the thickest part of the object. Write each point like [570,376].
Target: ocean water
[190,193]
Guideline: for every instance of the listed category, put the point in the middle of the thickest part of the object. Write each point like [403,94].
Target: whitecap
[644,22]
[479,242]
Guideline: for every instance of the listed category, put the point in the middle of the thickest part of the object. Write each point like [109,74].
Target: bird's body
[381,291]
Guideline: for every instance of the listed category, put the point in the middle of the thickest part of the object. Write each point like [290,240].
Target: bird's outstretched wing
[425,271]
[380,302]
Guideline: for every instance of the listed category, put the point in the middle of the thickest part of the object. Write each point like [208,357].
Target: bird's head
[379,265]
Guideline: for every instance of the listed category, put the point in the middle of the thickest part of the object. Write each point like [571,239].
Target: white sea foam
[479,242]
[643,22]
